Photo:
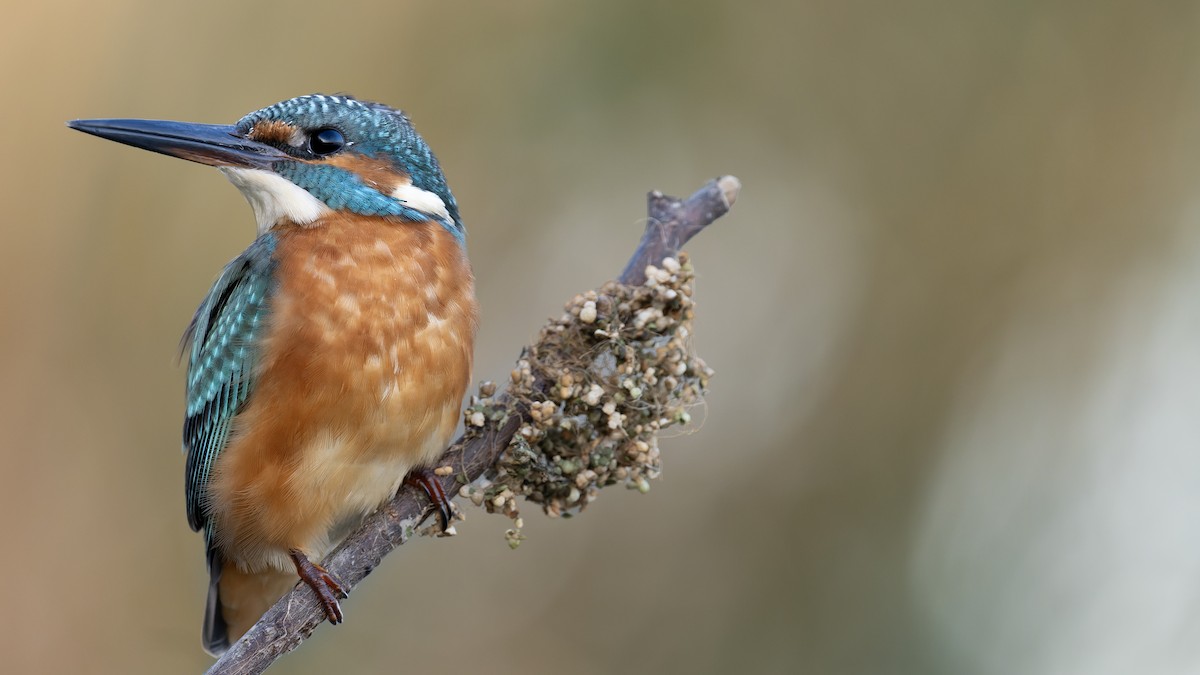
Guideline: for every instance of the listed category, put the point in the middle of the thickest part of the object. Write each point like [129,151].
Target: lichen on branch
[599,384]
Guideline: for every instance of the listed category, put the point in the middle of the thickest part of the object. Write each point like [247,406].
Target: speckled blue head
[304,158]
[355,156]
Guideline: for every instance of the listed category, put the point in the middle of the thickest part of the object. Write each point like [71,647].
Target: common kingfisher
[330,358]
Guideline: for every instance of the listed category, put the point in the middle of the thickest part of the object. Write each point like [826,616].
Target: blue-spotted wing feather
[223,351]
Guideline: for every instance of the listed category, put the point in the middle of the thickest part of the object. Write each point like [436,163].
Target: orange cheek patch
[379,174]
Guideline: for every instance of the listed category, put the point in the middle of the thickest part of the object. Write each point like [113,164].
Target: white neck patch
[422,200]
[275,198]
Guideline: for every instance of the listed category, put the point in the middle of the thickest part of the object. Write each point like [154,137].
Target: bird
[328,362]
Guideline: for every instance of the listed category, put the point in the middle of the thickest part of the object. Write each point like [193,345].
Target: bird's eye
[326,141]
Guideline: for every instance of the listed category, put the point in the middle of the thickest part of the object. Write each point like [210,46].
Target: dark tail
[216,633]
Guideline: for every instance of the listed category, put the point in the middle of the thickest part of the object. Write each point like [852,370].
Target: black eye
[325,141]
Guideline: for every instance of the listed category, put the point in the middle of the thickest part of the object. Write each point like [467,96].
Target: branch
[672,222]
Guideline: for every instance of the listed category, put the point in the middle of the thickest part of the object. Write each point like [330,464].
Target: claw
[427,481]
[326,587]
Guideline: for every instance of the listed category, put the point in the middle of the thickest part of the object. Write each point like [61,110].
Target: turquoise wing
[223,352]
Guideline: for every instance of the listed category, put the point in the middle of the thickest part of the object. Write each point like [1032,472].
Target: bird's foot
[427,481]
[326,587]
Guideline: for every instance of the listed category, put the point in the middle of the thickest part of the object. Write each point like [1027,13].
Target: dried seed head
[598,386]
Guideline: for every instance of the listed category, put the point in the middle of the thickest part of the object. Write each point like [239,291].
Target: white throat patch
[275,198]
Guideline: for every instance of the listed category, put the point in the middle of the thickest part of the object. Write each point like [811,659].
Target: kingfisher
[328,363]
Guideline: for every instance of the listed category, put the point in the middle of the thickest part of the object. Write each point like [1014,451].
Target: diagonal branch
[672,222]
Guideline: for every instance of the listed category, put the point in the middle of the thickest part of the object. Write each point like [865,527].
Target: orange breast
[362,376]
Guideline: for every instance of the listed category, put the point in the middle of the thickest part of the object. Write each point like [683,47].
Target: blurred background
[954,320]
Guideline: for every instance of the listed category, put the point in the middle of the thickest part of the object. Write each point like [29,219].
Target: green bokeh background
[953,319]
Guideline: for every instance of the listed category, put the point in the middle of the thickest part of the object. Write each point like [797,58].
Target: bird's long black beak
[212,144]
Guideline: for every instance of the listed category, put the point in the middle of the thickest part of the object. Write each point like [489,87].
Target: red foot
[427,481]
[324,585]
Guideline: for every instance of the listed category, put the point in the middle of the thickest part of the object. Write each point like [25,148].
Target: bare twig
[293,619]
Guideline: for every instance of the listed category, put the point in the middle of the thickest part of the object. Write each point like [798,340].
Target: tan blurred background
[955,319]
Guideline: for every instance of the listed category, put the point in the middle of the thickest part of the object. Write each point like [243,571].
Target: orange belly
[362,376]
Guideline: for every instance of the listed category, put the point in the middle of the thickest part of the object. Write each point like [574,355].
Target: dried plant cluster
[595,418]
